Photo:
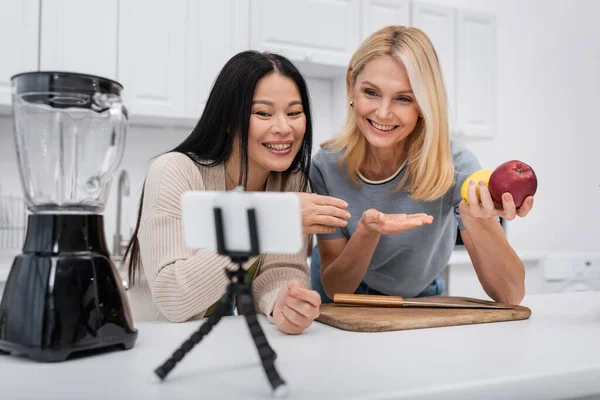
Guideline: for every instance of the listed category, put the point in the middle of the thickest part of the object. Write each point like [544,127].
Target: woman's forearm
[346,272]
[498,267]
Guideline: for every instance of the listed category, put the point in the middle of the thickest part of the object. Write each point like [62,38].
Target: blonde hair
[430,171]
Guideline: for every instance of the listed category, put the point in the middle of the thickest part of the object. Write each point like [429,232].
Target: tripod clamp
[237,286]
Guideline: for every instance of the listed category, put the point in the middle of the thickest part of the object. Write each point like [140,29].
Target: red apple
[514,177]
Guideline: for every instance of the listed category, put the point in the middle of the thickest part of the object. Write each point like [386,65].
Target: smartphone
[278,220]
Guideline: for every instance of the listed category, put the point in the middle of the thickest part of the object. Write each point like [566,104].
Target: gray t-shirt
[407,263]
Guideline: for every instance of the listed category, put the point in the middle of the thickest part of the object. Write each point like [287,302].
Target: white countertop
[556,353]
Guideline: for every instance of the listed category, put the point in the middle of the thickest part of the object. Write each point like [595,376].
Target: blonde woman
[395,165]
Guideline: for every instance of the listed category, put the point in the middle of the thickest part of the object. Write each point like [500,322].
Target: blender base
[58,355]
[63,294]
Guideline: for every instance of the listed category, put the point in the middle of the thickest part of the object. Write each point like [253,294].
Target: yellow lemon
[481,175]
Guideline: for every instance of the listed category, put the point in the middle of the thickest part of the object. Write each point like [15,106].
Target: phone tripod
[243,290]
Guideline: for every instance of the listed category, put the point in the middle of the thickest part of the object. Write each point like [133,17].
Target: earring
[351,104]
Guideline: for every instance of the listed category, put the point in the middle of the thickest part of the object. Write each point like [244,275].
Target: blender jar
[70,132]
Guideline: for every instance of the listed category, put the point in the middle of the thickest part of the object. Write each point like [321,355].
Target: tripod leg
[266,353]
[222,308]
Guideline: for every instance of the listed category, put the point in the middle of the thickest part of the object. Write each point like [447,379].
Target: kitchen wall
[548,95]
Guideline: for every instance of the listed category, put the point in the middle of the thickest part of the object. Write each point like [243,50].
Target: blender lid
[62,89]
[64,81]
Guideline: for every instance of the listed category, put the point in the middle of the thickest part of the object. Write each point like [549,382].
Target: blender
[64,294]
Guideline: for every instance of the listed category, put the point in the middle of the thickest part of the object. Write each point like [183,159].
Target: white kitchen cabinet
[322,103]
[322,32]
[466,46]
[225,20]
[476,74]
[439,23]
[377,14]
[152,58]
[167,54]
[74,40]
[19,33]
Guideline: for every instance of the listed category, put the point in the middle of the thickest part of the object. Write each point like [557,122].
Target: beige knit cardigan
[177,283]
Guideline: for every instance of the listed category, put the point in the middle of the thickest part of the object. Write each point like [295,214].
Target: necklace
[230,179]
[261,189]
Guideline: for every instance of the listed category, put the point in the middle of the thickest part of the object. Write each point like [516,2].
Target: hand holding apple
[478,203]
[506,192]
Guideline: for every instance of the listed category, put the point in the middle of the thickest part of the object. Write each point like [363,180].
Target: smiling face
[277,124]
[385,107]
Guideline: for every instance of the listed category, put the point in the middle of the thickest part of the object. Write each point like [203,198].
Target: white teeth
[278,147]
[383,127]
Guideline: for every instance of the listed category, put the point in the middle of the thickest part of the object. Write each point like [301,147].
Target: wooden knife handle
[368,300]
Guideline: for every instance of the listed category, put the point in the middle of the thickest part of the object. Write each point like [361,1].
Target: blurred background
[522,76]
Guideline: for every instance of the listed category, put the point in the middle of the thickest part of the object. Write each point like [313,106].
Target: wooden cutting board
[383,319]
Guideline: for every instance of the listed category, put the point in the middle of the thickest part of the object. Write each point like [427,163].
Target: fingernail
[506,196]
[471,182]
[347,215]
[481,183]
[345,223]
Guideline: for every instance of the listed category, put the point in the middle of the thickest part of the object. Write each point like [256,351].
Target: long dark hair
[227,113]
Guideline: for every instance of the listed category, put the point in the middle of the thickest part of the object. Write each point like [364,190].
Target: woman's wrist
[473,224]
[364,227]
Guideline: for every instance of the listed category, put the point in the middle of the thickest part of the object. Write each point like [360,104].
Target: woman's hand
[485,209]
[392,224]
[295,308]
[321,214]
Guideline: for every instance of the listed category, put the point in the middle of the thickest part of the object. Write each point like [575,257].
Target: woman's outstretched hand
[485,208]
[392,224]
[322,214]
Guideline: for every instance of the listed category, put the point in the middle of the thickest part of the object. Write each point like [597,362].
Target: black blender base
[64,296]
[58,355]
